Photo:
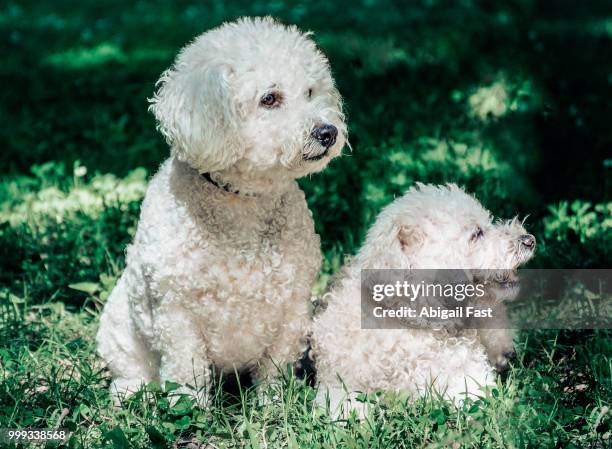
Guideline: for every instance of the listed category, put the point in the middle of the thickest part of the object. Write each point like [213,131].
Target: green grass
[510,100]
[555,396]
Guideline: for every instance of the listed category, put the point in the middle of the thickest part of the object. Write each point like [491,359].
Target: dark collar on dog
[216,184]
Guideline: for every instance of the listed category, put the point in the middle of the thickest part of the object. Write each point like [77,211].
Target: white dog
[430,227]
[220,271]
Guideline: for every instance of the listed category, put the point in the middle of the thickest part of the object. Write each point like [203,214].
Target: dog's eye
[477,235]
[271,100]
[309,93]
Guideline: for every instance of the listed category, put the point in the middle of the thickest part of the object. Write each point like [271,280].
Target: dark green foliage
[578,235]
[510,99]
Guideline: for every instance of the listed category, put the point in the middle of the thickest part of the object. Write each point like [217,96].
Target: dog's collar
[224,187]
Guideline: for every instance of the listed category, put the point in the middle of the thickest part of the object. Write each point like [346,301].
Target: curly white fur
[219,274]
[430,227]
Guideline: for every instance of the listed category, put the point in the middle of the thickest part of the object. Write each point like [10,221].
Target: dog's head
[254,97]
[437,227]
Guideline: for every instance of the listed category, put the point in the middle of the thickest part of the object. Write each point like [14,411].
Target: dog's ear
[194,110]
[411,238]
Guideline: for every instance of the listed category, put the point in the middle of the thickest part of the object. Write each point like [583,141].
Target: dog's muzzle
[326,136]
[528,241]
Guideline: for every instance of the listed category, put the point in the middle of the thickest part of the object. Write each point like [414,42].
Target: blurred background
[510,99]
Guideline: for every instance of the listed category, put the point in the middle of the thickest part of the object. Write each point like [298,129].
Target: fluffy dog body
[220,271]
[428,228]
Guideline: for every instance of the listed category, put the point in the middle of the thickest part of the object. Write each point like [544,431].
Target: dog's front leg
[280,358]
[499,342]
[499,345]
[183,354]
[498,339]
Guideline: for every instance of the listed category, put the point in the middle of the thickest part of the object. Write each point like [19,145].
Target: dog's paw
[503,361]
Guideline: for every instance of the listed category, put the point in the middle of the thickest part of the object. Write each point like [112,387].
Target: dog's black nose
[325,134]
[528,240]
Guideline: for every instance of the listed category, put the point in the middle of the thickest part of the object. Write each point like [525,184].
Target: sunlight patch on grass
[80,57]
[489,101]
[585,220]
[500,98]
[54,204]
[105,53]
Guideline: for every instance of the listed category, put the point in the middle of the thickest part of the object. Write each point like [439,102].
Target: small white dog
[225,254]
[430,227]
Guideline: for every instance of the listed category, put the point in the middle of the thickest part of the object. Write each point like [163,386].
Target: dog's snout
[527,240]
[325,134]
